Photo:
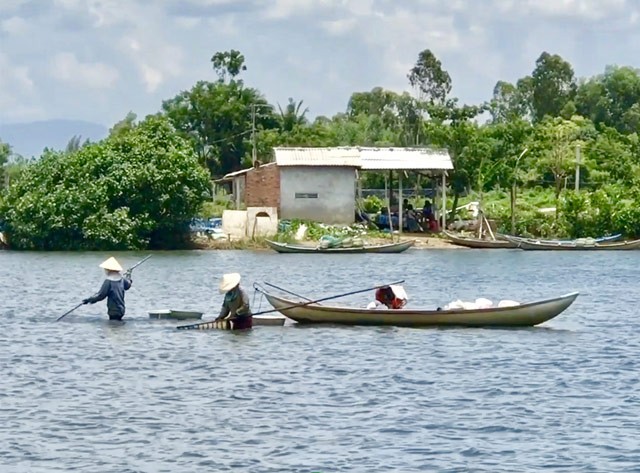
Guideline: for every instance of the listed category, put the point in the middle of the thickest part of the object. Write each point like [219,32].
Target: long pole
[513,192]
[577,167]
[253,133]
[211,324]
[127,271]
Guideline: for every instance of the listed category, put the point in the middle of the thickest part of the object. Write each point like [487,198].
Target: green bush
[137,189]
[372,204]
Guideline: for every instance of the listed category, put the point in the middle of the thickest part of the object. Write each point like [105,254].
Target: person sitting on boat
[113,289]
[389,297]
[235,306]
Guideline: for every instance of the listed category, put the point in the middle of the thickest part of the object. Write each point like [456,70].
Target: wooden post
[400,201]
[444,200]
[577,167]
[513,208]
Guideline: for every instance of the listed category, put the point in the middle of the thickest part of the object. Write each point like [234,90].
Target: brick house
[307,183]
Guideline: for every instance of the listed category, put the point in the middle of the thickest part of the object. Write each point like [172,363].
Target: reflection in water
[93,395]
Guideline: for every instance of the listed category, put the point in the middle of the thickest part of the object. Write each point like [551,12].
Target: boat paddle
[211,324]
[127,271]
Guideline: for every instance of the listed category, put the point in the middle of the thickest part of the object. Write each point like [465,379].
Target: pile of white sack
[480,303]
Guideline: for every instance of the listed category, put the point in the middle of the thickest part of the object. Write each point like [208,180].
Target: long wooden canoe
[524,315]
[576,245]
[398,247]
[580,241]
[472,242]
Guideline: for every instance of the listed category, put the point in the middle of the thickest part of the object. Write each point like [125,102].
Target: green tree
[509,102]
[135,190]
[217,117]
[228,64]
[5,153]
[75,143]
[612,99]
[553,83]
[293,115]
[432,82]
[125,125]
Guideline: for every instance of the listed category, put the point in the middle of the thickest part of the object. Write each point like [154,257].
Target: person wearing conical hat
[113,289]
[235,306]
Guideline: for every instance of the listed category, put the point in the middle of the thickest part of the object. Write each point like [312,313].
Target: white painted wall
[335,187]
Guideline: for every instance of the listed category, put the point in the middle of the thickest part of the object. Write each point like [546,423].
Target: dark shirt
[236,304]
[114,292]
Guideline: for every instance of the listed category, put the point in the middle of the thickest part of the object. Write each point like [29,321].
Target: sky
[96,60]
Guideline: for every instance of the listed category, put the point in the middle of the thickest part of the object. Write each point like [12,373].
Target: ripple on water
[91,396]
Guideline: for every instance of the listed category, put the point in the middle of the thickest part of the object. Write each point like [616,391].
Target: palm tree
[293,115]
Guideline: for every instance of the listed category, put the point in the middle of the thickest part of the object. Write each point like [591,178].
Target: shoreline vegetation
[551,155]
[423,242]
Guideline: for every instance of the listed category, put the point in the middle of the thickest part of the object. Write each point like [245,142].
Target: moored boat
[575,245]
[473,242]
[523,315]
[397,247]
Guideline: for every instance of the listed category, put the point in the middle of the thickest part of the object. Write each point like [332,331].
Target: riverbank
[422,242]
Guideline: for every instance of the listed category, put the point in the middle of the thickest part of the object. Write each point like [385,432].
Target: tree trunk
[456,198]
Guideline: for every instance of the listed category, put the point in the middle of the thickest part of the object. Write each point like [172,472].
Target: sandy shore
[422,242]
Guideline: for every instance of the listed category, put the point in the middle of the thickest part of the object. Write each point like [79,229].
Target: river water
[87,395]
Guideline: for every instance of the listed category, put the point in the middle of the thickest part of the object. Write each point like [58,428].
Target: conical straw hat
[228,282]
[111,265]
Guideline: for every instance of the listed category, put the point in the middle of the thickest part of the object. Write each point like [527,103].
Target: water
[88,395]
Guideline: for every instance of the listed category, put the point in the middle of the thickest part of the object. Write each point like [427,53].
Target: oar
[67,313]
[127,271]
[211,324]
[137,264]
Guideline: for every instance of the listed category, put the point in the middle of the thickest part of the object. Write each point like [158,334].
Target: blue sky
[97,59]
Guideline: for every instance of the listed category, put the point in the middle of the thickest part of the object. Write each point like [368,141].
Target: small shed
[435,162]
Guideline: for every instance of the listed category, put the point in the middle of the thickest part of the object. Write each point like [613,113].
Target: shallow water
[94,396]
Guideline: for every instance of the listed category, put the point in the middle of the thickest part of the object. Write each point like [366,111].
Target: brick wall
[262,188]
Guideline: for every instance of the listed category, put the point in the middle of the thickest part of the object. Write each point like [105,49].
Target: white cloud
[94,75]
[17,92]
[319,51]
[14,25]
[153,59]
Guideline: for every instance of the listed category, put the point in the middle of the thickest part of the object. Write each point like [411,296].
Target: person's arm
[224,311]
[100,295]
[127,282]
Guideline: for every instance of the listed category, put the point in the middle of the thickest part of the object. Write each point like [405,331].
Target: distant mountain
[30,139]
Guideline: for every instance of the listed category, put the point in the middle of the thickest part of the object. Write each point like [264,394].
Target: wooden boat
[576,245]
[397,247]
[194,315]
[524,315]
[174,314]
[228,324]
[473,242]
[604,239]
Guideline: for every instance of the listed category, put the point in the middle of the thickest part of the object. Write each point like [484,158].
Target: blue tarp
[205,225]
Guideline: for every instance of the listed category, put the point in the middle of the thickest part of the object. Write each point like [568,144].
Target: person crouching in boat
[113,289]
[235,306]
[389,297]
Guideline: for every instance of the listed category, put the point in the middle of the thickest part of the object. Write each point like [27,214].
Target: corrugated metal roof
[423,159]
[347,157]
[366,158]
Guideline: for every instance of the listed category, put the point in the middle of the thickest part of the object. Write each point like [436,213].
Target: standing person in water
[113,289]
[235,306]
